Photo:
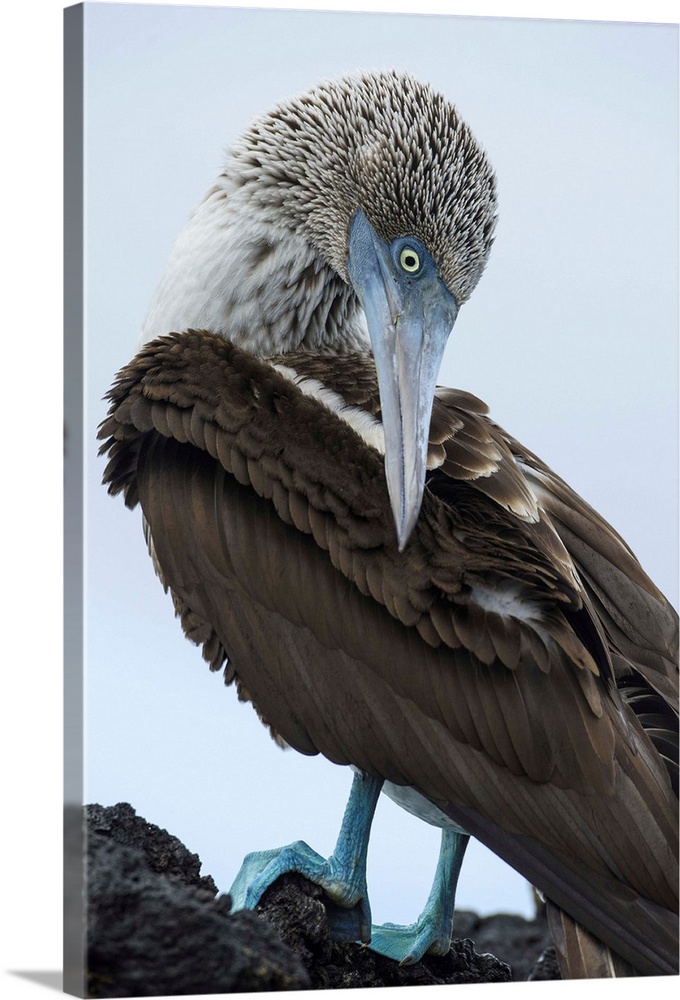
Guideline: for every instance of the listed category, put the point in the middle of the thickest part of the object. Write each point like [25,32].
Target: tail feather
[580,954]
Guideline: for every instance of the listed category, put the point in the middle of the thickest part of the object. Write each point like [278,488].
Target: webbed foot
[432,932]
[350,917]
[342,875]
[408,943]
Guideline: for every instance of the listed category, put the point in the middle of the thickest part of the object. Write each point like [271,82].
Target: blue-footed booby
[388,576]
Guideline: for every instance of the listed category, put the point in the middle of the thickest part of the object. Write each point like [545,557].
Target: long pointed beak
[409,321]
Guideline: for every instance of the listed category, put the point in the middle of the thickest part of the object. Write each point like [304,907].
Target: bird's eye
[409,260]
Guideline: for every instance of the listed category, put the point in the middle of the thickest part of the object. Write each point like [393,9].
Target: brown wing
[271,525]
[636,622]
[639,621]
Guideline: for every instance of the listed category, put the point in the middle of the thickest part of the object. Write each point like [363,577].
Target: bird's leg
[433,929]
[342,875]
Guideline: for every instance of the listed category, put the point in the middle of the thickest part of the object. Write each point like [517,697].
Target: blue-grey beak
[410,317]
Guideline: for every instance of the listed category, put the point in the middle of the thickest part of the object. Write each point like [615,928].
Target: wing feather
[514,728]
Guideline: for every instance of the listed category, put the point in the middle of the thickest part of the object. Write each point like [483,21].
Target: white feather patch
[363,423]
[416,804]
[507,601]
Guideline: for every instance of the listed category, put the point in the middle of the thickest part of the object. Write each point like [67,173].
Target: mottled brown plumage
[523,716]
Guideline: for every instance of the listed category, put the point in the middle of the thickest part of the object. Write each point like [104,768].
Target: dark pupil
[410,261]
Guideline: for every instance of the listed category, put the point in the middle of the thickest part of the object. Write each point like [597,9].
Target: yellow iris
[409,260]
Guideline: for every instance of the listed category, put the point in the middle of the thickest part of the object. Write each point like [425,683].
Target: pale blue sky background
[570,337]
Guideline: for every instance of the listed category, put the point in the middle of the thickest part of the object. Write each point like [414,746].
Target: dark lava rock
[519,942]
[547,966]
[156,927]
[299,910]
[164,853]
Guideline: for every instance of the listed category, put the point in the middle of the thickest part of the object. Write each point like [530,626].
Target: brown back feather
[387,660]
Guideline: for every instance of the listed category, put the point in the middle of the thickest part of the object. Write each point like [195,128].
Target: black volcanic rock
[157,927]
[298,908]
[164,853]
[521,943]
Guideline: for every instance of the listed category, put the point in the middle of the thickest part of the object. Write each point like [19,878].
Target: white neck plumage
[264,288]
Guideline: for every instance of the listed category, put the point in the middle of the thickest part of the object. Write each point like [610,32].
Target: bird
[387,575]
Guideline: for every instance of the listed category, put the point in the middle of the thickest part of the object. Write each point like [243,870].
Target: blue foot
[352,919]
[342,876]
[432,932]
[408,943]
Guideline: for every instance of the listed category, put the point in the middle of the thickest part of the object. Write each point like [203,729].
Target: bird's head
[381,176]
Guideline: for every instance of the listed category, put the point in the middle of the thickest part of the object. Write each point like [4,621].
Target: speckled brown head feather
[383,142]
